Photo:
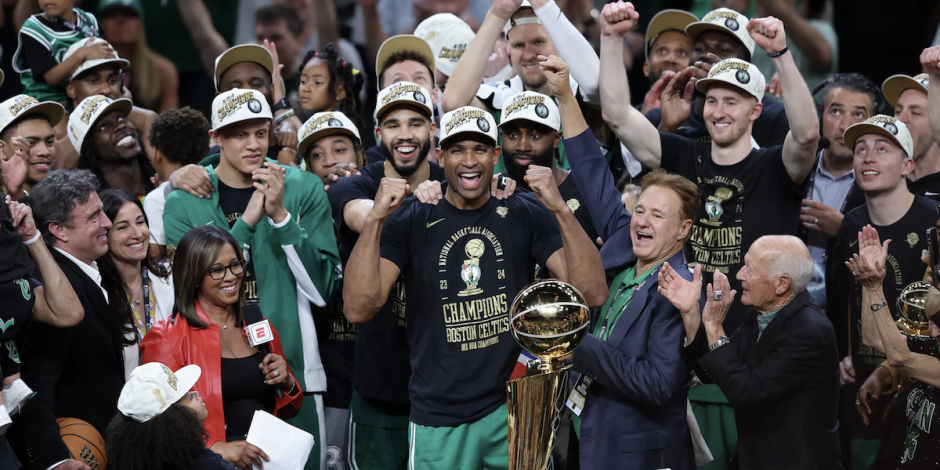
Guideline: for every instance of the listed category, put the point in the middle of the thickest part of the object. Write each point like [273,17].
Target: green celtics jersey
[56,38]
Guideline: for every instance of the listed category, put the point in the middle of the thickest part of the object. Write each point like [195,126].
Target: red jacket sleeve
[288,406]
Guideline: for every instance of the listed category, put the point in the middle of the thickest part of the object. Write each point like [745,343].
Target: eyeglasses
[218,273]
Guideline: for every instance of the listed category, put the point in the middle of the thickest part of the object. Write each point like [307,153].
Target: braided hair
[351,79]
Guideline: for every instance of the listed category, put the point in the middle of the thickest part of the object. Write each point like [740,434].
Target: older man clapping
[780,369]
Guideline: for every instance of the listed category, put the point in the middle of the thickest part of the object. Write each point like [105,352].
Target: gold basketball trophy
[549,319]
[912,313]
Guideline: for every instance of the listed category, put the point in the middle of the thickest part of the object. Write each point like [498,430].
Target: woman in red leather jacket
[208,330]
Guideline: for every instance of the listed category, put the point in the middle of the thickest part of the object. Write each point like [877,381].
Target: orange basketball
[84,442]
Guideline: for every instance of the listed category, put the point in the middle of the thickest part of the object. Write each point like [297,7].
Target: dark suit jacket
[635,413]
[77,372]
[784,388]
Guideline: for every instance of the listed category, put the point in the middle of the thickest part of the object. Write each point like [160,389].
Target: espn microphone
[259,335]
[824,143]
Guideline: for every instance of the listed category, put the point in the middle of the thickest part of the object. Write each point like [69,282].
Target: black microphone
[259,335]
[824,143]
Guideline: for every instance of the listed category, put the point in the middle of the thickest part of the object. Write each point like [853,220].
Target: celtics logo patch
[419,97]
[891,128]
[483,124]
[742,76]
[334,123]
[541,111]
[732,24]
[254,105]
[470,269]
[912,239]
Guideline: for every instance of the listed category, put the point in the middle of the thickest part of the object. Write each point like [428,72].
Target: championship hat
[403,43]
[448,37]
[90,64]
[531,106]
[23,105]
[88,112]
[880,124]
[134,5]
[665,21]
[738,73]
[726,21]
[467,120]
[404,94]
[153,388]
[895,85]
[244,53]
[322,125]
[513,22]
[237,105]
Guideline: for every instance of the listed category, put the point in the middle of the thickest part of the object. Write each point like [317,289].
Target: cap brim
[325,132]
[895,85]
[122,63]
[703,84]
[245,53]
[379,112]
[52,110]
[187,378]
[668,20]
[851,135]
[404,42]
[465,134]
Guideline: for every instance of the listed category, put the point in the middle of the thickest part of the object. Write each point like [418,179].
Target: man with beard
[110,145]
[668,49]
[29,133]
[909,96]
[96,77]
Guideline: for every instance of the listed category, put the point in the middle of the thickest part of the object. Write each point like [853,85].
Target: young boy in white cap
[283,219]
[457,388]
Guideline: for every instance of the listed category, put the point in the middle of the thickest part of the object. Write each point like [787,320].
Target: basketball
[84,442]
[474,248]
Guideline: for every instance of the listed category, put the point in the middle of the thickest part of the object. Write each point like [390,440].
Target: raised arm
[369,277]
[572,47]
[630,126]
[869,264]
[930,60]
[207,39]
[799,148]
[918,366]
[805,37]
[468,74]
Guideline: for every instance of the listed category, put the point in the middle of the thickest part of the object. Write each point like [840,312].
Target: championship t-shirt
[14,259]
[740,203]
[770,128]
[572,196]
[233,202]
[904,267]
[468,266]
[928,186]
[381,349]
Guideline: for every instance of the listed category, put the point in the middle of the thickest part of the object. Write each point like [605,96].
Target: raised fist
[768,33]
[388,199]
[505,8]
[930,60]
[618,18]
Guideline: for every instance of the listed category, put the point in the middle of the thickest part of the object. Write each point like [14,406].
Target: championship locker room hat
[531,106]
[403,43]
[664,21]
[513,22]
[467,120]
[322,125]
[23,105]
[90,64]
[237,105]
[153,388]
[404,94]
[448,37]
[88,112]
[895,85]
[882,125]
[738,73]
[244,53]
[726,21]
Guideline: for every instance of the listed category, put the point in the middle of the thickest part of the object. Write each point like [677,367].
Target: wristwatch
[283,104]
[717,344]
[879,306]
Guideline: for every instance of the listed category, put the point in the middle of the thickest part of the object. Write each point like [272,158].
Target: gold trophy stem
[535,407]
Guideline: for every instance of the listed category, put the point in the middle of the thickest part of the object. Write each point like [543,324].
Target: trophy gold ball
[549,319]
[912,314]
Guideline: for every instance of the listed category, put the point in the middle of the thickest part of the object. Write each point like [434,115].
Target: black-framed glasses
[218,273]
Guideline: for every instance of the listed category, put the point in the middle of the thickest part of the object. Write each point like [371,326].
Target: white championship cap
[738,73]
[244,53]
[664,21]
[531,106]
[88,112]
[237,105]
[90,64]
[322,125]
[403,43]
[22,105]
[513,22]
[448,37]
[895,85]
[153,388]
[404,94]
[726,21]
[883,125]
[467,119]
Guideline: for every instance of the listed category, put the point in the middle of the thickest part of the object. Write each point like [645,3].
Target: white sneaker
[14,396]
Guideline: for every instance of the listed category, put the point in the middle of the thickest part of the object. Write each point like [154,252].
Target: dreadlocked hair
[168,441]
[88,160]
[352,80]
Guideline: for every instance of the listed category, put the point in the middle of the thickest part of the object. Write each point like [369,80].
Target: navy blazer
[635,413]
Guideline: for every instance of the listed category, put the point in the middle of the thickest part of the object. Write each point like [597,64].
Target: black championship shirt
[770,128]
[14,259]
[740,203]
[467,266]
[233,202]
[381,351]
[572,196]
[928,186]
[908,240]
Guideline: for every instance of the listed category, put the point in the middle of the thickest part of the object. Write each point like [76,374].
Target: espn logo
[259,333]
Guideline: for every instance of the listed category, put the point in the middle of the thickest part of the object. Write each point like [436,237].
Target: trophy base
[536,404]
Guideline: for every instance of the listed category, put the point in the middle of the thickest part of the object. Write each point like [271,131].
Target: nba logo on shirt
[259,333]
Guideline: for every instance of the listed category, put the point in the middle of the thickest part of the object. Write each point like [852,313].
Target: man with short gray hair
[780,369]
